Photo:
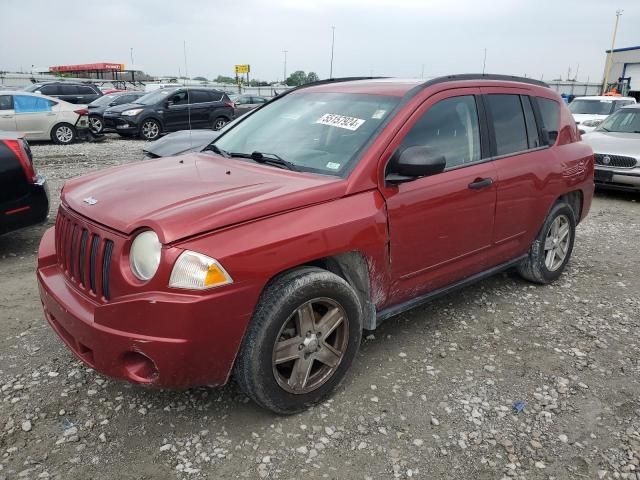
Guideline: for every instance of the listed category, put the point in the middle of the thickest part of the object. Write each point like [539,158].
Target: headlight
[195,271]
[145,255]
[591,123]
[131,113]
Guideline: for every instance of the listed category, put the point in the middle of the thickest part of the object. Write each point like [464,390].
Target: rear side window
[50,90]
[550,113]
[26,104]
[85,90]
[215,96]
[451,128]
[6,102]
[530,121]
[68,90]
[198,96]
[508,123]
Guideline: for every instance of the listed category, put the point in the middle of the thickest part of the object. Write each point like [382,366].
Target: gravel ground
[429,396]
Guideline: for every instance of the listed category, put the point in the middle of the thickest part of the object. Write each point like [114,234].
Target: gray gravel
[430,395]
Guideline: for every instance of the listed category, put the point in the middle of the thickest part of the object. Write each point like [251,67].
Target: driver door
[441,225]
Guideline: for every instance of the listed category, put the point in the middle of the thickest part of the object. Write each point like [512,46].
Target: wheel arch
[575,199]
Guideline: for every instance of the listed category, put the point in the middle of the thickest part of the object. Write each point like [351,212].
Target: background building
[625,70]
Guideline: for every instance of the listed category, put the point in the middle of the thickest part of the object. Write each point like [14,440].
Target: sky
[400,38]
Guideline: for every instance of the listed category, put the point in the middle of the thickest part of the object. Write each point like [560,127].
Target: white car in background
[589,112]
[42,118]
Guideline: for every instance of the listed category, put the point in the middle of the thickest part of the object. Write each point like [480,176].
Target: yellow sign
[242,69]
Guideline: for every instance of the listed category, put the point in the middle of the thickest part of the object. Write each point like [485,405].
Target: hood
[124,106]
[581,117]
[179,197]
[184,141]
[614,143]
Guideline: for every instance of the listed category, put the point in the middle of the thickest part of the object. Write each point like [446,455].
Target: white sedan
[42,118]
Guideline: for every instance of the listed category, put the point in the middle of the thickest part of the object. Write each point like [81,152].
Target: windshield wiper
[216,149]
[268,158]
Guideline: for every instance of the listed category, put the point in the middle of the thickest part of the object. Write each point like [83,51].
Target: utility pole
[333,41]
[610,57]
[284,81]
[131,52]
[484,62]
[422,73]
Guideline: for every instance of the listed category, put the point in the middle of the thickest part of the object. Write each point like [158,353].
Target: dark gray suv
[83,93]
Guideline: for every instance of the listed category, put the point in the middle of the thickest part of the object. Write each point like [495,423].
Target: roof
[400,87]
[624,49]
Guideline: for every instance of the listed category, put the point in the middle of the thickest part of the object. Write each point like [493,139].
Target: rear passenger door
[522,165]
[441,226]
[7,114]
[201,106]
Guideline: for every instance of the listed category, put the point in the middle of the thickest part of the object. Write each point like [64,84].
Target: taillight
[82,111]
[230,104]
[19,148]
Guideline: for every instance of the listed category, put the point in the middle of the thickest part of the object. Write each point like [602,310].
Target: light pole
[284,76]
[484,61]
[610,57]
[333,41]
[131,52]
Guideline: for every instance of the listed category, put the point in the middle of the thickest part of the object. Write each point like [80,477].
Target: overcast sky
[379,37]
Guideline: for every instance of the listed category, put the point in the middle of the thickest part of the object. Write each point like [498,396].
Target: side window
[530,120]
[259,100]
[508,123]
[50,90]
[198,96]
[69,90]
[451,128]
[216,96]
[6,102]
[27,104]
[179,98]
[85,90]
[243,100]
[550,113]
[122,99]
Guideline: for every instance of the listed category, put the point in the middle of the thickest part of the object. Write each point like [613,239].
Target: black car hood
[184,141]
[124,106]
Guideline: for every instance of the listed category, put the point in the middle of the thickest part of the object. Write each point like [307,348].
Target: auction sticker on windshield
[340,121]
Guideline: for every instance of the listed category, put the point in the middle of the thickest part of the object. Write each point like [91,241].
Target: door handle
[479,183]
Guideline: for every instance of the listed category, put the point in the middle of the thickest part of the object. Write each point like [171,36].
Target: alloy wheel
[310,345]
[64,134]
[150,130]
[219,124]
[96,124]
[556,243]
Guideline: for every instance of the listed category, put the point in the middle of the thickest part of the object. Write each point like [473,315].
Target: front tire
[303,336]
[551,250]
[63,134]
[150,129]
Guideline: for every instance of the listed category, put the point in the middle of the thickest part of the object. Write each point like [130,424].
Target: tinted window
[530,120]
[180,98]
[50,90]
[215,96]
[198,96]
[6,102]
[85,90]
[550,113]
[451,128]
[68,90]
[508,123]
[27,104]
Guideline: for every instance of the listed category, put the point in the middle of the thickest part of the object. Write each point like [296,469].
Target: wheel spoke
[549,260]
[287,350]
[329,322]
[306,319]
[300,373]
[563,232]
[328,355]
[548,243]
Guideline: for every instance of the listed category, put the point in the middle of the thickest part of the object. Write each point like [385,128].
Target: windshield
[318,132]
[591,107]
[104,100]
[625,120]
[154,97]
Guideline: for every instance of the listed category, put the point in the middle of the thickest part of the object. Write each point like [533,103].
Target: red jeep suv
[314,217]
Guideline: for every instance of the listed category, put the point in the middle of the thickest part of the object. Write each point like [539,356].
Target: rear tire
[303,336]
[96,124]
[219,123]
[551,250]
[63,134]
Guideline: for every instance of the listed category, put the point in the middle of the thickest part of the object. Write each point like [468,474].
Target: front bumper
[206,329]
[32,209]
[121,124]
[618,178]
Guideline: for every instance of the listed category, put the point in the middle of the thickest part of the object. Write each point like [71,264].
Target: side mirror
[414,162]
[112,104]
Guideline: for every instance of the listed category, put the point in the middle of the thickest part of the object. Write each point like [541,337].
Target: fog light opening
[140,368]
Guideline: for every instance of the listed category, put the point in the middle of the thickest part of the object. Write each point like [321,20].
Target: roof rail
[327,81]
[484,76]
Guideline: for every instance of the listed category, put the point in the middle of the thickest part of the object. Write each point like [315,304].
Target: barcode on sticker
[340,121]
